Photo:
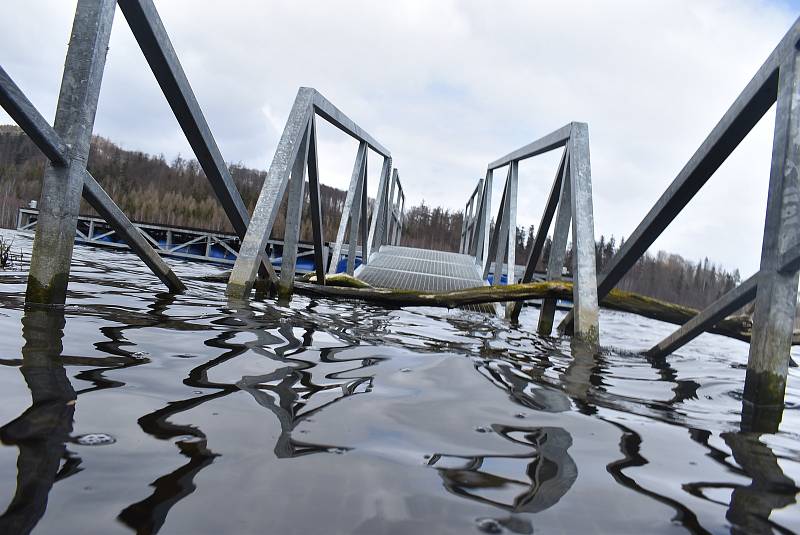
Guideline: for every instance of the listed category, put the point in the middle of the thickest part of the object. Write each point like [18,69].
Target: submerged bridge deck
[408,268]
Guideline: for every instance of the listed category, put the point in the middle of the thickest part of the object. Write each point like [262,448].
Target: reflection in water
[312,355]
[548,469]
[42,430]
[750,506]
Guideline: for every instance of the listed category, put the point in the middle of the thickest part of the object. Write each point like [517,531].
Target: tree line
[150,189]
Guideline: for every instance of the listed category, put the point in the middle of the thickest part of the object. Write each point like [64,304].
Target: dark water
[326,417]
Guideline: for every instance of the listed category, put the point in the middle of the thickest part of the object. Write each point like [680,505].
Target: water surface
[137,411]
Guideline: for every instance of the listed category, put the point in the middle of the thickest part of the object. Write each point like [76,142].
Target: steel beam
[363,219]
[776,299]
[377,224]
[390,206]
[584,277]
[486,220]
[294,217]
[62,185]
[23,112]
[247,263]
[355,218]
[320,253]
[748,108]
[544,227]
[477,236]
[149,31]
[350,198]
[512,222]
[558,251]
[333,115]
[125,229]
[49,142]
[549,142]
[710,316]
[504,224]
[157,48]
[496,234]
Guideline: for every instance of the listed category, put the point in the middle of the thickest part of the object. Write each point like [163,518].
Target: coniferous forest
[150,189]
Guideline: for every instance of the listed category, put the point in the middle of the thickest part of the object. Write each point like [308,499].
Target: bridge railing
[774,287]
[470,224]
[297,153]
[66,145]
[571,193]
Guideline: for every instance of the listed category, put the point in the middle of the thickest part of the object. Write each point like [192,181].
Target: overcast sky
[449,86]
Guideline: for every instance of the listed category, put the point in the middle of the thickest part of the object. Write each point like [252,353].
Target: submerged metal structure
[66,179]
[571,193]
[774,287]
[297,153]
[66,144]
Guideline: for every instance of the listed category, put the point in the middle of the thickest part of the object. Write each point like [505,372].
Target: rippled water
[187,414]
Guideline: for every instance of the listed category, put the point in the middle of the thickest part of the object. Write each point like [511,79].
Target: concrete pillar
[62,186]
[776,298]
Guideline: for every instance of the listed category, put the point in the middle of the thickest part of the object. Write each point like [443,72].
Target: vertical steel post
[503,236]
[584,276]
[497,237]
[62,186]
[255,240]
[355,216]
[476,235]
[347,209]
[512,221]
[294,216]
[776,298]
[486,221]
[558,250]
[364,219]
[320,251]
[378,223]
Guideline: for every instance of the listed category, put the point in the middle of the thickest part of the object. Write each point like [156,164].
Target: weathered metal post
[776,297]
[320,250]
[512,221]
[558,248]
[377,227]
[347,209]
[294,215]
[62,186]
[584,276]
[250,253]
[355,215]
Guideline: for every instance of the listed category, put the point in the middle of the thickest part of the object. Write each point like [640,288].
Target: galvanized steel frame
[572,194]
[774,287]
[291,159]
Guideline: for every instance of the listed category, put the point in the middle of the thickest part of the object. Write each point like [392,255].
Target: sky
[449,86]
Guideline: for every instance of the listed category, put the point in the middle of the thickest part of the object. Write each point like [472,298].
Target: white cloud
[450,86]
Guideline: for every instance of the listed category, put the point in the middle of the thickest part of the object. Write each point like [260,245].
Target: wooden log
[738,327]
[342,286]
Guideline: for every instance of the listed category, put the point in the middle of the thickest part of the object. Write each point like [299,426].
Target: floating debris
[95,439]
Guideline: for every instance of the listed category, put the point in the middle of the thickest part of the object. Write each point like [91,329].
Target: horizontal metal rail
[178,242]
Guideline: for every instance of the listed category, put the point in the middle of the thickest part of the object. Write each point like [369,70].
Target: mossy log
[342,286]
[739,327]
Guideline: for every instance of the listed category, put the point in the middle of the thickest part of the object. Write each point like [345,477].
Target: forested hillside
[150,189]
